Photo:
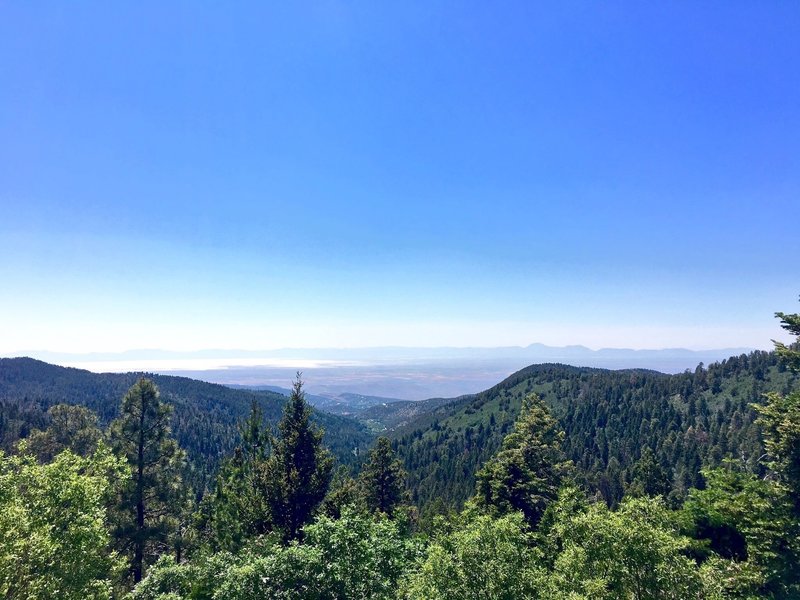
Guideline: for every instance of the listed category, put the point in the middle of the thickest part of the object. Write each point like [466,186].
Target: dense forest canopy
[204,420]
[610,418]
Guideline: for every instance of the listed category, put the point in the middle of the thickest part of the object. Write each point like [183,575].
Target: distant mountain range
[399,354]
[345,379]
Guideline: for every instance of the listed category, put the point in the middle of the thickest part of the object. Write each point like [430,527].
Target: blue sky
[204,175]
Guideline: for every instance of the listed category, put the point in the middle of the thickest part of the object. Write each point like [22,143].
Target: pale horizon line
[252,352]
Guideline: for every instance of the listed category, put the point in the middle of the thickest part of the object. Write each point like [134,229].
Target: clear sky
[186,175]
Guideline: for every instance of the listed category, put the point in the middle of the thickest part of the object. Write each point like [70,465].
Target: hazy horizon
[402,373]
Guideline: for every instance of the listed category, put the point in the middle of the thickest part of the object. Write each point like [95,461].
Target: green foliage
[526,473]
[649,477]
[728,579]
[73,428]
[290,573]
[54,534]
[743,518]
[356,556]
[791,354]
[296,476]
[238,509]
[780,421]
[689,421]
[148,502]
[205,420]
[343,493]
[362,557]
[383,479]
[635,552]
[197,579]
[482,558]
[555,522]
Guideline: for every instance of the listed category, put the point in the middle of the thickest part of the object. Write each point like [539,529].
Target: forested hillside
[204,421]
[688,421]
[393,415]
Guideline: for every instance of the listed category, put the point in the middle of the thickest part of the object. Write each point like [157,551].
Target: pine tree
[344,493]
[527,472]
[649,477]
[71,427]
[238,508]
[383,478]
[141,436]
[298,472]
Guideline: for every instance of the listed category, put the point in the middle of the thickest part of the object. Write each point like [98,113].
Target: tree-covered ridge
[204,420]
[394,415]
[687,421]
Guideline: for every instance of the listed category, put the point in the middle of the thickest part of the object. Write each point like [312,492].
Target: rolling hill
[204,420]
[689,420]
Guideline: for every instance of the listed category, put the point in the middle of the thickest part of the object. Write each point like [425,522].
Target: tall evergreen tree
[141,436]
[649,477]
[780,418]
[238,508]
[526,473]
[298,472]
[383,478]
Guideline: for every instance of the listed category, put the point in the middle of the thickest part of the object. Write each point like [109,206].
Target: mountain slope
[204,420]
[395,414]
[688,420]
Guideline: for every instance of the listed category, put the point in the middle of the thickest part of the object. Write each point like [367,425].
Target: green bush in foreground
[482,558]
[356,556]
[54,538]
